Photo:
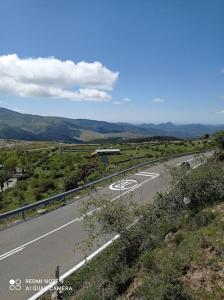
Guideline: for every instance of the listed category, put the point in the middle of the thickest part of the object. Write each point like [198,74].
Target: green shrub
[148,262]
[58,175]
[201,219]
[22,186]
[202,185]
[35,183]
[47,184]
[175,291]
[122,280]
[179,238]
[37,193]
[91,293]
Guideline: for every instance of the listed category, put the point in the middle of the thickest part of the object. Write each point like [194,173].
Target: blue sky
[159,60]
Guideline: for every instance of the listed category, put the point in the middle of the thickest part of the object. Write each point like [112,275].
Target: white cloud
[117,102]
[220,112]
[157,100]
[51,77]
[127,100]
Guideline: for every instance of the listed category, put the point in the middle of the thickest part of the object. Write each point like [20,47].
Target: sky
[138,61]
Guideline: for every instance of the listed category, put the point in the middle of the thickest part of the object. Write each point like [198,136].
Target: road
[32,249]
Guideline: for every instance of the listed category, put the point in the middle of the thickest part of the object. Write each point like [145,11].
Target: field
[43,169]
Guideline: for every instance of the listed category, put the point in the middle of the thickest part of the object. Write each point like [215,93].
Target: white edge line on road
[75,268]
[197,166]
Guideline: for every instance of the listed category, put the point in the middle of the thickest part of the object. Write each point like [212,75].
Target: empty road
[30,251]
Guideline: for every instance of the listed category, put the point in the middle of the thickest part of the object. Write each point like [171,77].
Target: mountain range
[15,125]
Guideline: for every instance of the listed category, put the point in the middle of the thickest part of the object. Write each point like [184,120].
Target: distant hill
[14,125]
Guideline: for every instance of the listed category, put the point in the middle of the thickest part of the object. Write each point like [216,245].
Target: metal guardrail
[44,202]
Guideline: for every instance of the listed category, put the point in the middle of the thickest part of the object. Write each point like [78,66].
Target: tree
[10,165]
[81,175]
[110,217]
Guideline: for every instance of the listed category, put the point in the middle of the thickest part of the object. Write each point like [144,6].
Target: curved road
[30,251]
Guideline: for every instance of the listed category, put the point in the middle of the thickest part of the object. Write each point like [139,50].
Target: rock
[170,237]
[41,211]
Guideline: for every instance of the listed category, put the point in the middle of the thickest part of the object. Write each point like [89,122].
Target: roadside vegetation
[173,250]
[45,169]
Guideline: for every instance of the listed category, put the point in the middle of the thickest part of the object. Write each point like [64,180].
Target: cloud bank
[54,78]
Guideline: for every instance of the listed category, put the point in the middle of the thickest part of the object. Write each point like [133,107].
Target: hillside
[14,125]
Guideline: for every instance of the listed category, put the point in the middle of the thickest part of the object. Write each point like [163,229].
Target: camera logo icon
[15,284]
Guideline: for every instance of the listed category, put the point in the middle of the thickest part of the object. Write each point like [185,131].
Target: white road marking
[11,253]
[123,185]
[130,190]
[75,268]
[143,172]
[197,165]
[42,236]
[72,221]
[147,174]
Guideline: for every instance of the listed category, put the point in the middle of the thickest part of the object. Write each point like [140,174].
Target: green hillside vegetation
[175,250]
[60,168]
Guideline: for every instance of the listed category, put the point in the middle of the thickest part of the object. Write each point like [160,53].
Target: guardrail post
[57,275]
[23,215]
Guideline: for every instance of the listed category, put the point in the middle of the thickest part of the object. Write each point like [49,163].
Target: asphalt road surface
[30,251]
